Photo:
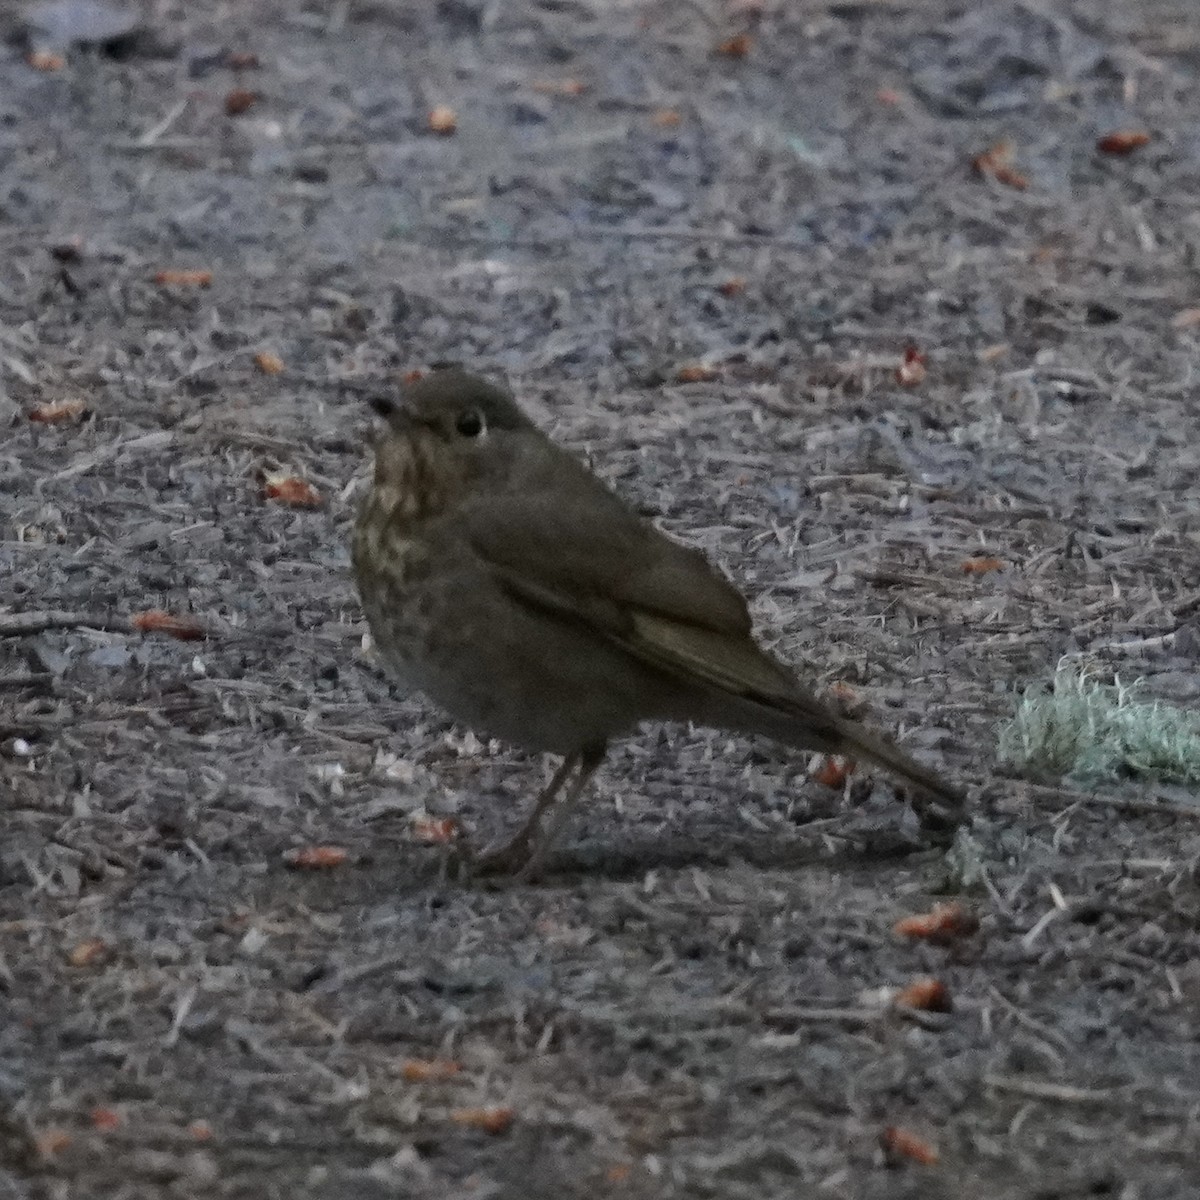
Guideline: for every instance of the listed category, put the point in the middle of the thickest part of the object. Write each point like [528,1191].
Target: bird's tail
[809,725]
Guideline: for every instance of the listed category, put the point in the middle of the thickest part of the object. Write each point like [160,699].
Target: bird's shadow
[633,858]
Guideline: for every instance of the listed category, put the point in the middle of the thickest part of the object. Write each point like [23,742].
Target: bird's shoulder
[564,533]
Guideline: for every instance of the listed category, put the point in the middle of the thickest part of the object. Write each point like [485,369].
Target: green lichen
[1090,732]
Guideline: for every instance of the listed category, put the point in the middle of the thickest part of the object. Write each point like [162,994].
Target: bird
[504,580]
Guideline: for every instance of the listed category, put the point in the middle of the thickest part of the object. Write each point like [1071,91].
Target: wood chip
[45,60]
[105,1119]
[240,100]
[172,277]
[996,163]
[1123,141]
[433,831]
[443,120]
[559,87]
[50,1142]
[927,995]
[831,770]
[57,412]
[292,490]
[89,953]
[154,620]
[494,1119]
[943,923]
[737,46]
[900,1144]
[697,373]
[982,566]
[316,858]
[912,369]
[429,1070]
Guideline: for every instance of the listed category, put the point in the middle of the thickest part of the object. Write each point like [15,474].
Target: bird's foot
[515,857]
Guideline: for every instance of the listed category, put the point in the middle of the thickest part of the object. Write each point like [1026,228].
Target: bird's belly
[509,671]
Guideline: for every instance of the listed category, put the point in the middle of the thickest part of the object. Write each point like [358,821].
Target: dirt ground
[694,1001]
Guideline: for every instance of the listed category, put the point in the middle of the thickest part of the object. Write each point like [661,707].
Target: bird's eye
[469,423]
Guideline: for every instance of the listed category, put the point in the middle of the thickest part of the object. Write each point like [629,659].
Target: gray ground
[689,1004]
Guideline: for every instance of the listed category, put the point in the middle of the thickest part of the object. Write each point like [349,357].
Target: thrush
[511,586]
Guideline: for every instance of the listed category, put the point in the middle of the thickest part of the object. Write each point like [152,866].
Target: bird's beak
[396,415]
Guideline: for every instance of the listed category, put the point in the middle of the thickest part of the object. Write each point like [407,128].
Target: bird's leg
[589,759]
[515,852]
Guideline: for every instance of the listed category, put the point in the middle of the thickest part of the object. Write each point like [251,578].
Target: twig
[1164,641]
[1044,1089]
[25,623]
[1127,803]
[1051,1036]
[394,966]
[155,132]
[791,1017]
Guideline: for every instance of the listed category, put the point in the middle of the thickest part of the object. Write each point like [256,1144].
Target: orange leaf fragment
[88,953]
[414,376]
[737,46]
[154,620]
[996,163]
[316,858]
[172,277]
[239,100]
[291,489]
[492,1119]
[105,1118]
[200,1131]
[443,120]
[734,286]
[981,566]
[1122,141]
[434,831]
[901,1143]
[832,770]
[1187,318]
[1012,178]
[268,362]
[429,1070]
[667,118]
[618,1173]
[846,699]
[943,923]
[51,1142]
[911,370]
[697,373]
[928,995]
[55,412]
[45,60]
[887,95]
[559,87]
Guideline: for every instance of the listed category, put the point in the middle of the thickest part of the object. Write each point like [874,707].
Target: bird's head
[452,421]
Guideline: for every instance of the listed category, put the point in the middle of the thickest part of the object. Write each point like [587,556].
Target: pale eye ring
[470,423]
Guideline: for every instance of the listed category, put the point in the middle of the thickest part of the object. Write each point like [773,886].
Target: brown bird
[505,581]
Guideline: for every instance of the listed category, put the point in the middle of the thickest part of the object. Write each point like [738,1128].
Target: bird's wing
[591,560]
[666,605]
